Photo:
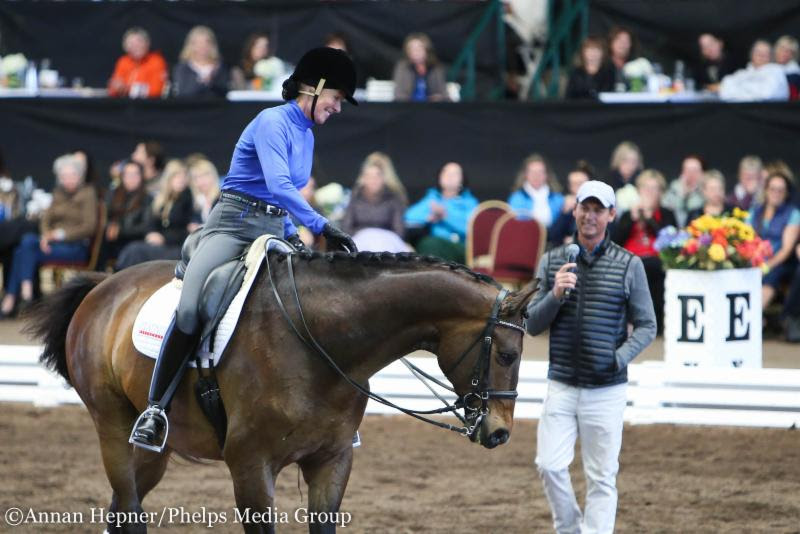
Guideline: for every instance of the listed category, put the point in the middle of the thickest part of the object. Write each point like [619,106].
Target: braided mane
[367,259]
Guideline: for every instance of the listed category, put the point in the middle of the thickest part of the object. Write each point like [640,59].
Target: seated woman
[441,216]
[749,183]
[536,193]
[638,228]
[129,213]
[204,183]
[626,164]
[173,211]
[257,48]
[374,216]
[140,73]
[592,74]
[200,72]
[65,229]
[713,189]
[563,228]
[419,77]
[777,220]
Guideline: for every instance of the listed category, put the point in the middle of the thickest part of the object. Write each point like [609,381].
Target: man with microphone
[588,294]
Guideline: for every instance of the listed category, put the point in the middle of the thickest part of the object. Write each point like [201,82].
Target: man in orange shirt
[140,73]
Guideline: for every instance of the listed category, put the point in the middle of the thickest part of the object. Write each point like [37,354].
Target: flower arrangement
[12,69]
[711,243]
[269,72]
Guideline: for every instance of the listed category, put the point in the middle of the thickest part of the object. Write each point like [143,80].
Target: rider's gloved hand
[337,239]
[297,243]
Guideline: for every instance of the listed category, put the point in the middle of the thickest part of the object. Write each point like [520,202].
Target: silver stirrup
[156,412]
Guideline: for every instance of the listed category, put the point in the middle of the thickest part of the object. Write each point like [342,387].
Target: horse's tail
[49,319]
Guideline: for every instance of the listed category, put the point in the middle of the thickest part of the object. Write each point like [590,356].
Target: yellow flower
[746,233]
[716,252]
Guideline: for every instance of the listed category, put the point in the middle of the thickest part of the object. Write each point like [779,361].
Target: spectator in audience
[173,211]
[374,216]
[537,193]
[620,45]
[91,172]
[781,167]
[684,193]
[140,73]
[714,194]
[715,63]
[626,164]
[749,183]
[150,155]
[591,74]
[786,49]
[638,228]
[64,231]
[256,48]
[442,214]
[761,80]
[129,213]
[204,183]
[777,220]
[200,72]
[418,76]
[791,306]
[563,228]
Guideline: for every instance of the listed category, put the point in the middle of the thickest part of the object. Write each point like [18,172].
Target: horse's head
[483,361]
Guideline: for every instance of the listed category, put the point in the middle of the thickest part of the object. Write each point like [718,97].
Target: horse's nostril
[498,437]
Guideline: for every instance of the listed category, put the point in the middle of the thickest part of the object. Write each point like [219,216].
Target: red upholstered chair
[517,246]
[60,267]
[479,233]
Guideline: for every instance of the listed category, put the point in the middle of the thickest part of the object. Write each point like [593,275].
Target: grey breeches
[230,228]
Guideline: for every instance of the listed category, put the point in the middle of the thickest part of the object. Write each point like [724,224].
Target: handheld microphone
[572,256]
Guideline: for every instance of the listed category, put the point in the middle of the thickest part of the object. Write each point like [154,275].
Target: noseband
[475,403]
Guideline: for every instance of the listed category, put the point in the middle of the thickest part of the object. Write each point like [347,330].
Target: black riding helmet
[325,68]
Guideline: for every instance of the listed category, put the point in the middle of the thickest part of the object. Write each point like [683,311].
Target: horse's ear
[517,302]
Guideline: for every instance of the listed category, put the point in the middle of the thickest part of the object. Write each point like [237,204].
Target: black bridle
[475,403]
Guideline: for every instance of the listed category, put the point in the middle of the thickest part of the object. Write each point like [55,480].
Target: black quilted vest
[591,324]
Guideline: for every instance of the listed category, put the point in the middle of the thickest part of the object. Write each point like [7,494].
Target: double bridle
[475,403]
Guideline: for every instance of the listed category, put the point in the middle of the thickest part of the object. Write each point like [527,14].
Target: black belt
[269,209]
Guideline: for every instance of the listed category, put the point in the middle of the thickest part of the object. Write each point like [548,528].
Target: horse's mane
[406,259]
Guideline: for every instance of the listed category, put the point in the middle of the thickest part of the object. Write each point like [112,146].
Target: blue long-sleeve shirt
[272,162]
[454,225]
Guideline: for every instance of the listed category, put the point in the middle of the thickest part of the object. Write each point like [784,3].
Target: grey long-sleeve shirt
[544,307]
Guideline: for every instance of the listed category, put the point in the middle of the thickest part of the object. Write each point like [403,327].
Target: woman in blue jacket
[271,163]
[537,195]
[443,214]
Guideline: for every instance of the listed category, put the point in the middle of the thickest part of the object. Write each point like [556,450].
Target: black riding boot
[151,428]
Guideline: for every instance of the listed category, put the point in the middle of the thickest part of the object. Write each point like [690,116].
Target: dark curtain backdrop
[668,29]
[83,39]
[489,139]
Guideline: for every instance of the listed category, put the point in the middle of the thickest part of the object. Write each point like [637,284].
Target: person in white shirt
[761,80]
[786,50]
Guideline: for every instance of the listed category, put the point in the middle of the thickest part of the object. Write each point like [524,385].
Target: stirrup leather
[154,412]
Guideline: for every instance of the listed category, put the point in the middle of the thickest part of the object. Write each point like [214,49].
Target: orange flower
[691,246]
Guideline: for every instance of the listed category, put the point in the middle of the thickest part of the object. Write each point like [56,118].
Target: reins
[474,403]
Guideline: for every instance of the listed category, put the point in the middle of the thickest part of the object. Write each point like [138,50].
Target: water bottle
[654,80]
[31,77]
[678,84]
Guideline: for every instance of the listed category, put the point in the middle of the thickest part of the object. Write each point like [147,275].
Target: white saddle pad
[155,315]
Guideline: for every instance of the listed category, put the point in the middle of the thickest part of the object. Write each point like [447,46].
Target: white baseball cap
[599,190]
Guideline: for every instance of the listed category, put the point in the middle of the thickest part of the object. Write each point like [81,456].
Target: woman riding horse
[271,162]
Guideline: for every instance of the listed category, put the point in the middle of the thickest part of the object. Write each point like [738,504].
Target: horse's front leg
[254,489]
[327,479]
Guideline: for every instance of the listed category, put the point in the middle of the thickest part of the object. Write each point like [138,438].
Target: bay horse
[285,404]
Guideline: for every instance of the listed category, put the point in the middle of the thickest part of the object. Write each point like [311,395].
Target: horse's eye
[506,358]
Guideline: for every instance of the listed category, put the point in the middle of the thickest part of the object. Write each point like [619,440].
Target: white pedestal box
[712,318]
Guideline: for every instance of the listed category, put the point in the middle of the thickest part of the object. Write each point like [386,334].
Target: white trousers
[596,416]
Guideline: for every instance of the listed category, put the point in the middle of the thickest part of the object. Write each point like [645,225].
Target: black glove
[337,239]
[297,243]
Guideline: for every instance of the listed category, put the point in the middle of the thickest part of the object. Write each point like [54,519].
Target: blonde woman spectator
[714,194]
[200,72]
[786,50]
[374,216]
[684,193]
[537,193]
[626,163]
[140,73]
[418,76]
[64,231]
[204,183]
[749,183]
[761,80]
[173,211]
